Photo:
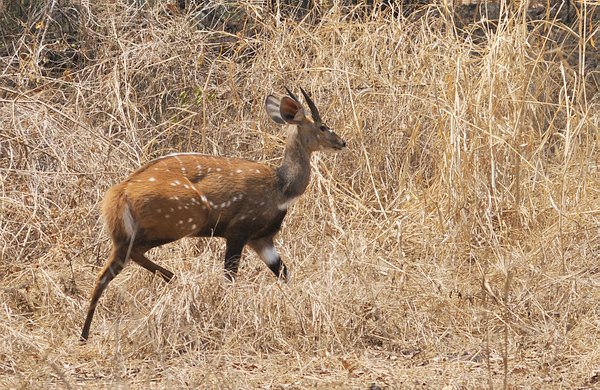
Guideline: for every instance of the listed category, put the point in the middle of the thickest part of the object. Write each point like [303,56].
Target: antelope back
[191,195]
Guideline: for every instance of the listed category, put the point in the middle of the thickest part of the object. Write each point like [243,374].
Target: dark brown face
[322,137]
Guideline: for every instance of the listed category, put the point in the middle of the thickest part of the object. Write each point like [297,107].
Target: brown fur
[207,190]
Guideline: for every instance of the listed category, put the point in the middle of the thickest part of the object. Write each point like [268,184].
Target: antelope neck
[294,172]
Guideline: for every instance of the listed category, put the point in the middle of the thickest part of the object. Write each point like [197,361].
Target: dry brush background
[455,244]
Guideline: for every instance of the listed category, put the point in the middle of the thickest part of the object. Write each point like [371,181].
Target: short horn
[311,105]
[291,94]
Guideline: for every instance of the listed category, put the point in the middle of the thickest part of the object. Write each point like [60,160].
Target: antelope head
[312,132]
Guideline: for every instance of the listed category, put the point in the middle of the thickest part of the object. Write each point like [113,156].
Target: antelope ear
[272,107]
[290,110]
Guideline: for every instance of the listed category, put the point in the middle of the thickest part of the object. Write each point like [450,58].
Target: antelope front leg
[233,254]
[266,250]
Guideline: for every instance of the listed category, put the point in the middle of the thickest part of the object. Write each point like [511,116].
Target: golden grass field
[455,244]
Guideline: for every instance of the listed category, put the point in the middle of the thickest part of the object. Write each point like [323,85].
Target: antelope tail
[118,216]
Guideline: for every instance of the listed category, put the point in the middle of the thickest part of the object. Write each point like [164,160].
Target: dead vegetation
[454,245]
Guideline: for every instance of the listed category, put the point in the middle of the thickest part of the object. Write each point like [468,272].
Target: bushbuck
[194,195]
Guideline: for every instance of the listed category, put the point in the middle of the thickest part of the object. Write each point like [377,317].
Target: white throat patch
[285,205]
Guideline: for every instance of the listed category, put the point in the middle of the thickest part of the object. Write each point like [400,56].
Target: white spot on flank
[223,204]
[159,211]
[258,171]
[194,227]
[167,216]
[269,255]
[238,171]
[218,169]
[262,203]
[242,217]
[180,222]
[177,182]
[190,219]
[174,198]
[186,186]
[152,179]
[285,205]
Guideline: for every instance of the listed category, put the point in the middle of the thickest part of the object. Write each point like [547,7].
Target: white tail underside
[128,222]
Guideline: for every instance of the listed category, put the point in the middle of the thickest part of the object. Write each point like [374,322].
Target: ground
[453,245]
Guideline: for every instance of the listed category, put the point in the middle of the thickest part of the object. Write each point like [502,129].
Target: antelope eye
[323,128]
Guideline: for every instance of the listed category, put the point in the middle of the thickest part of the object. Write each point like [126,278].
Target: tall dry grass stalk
[455,243]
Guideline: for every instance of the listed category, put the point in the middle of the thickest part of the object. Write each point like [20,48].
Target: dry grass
[454,245]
